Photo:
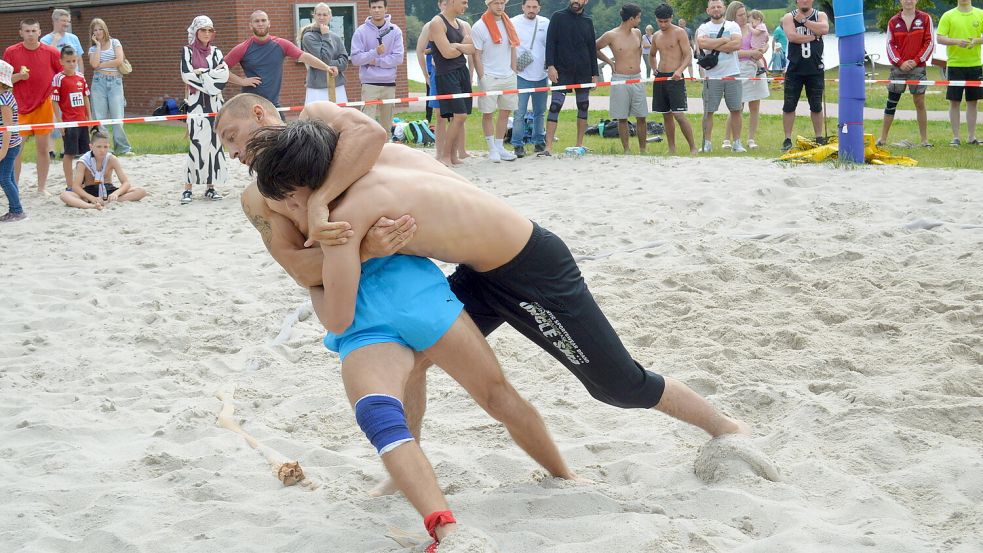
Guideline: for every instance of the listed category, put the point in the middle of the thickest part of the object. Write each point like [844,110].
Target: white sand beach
[837,311]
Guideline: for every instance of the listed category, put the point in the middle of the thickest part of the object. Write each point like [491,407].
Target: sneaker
[131,153]
[186,197]
[13,217]
[494,156]
[212,194]
[787,145]
[752,145]
[540,148]
[520,151]
[726,145]
[51,154]
[822,140]
[955,142]
[707,146]
[739,148]
[506,155]
[974,142]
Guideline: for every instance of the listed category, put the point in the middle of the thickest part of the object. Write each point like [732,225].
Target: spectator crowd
[42,81]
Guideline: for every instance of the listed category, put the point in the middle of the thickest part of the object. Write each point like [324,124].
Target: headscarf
[199,50]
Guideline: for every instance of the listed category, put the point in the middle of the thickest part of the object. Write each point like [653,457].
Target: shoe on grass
[787,145]
[752,145]
[739,148]
[726,145]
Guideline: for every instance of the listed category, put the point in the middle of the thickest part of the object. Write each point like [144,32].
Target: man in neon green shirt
[961,30]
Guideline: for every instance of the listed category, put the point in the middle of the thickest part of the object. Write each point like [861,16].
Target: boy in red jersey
[909,48]
[70,94]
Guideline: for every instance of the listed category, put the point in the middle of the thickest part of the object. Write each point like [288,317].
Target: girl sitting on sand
[92,181]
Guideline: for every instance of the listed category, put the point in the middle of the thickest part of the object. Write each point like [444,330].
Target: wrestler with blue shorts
[379,313]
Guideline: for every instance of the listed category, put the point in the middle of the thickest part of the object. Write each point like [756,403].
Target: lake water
[875,44]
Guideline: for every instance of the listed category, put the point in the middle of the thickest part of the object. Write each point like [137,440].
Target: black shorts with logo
[542,294]
[455,82]
[668,95]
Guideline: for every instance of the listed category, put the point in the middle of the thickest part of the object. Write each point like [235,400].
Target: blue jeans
[538,113]
[108,103]
[7,180]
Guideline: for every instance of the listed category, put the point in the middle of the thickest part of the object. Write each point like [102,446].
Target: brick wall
[152,35]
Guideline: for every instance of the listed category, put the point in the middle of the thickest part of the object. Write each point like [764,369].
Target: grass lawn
[876,93]
[170,138]
[770,135]
[146,138]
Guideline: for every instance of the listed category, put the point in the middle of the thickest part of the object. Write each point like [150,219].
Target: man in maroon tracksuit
[909,48]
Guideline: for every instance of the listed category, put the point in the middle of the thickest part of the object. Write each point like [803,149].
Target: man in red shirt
[70,93]
[36,64]
[909,48]
[261,57]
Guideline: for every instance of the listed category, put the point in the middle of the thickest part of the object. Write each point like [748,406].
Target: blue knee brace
[382,419]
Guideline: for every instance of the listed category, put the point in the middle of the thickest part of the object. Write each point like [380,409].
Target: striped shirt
[106,55]
[7,99]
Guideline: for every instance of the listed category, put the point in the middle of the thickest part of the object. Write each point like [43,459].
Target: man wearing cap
[36,65]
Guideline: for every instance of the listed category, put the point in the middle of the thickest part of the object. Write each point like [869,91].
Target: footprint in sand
[729,457]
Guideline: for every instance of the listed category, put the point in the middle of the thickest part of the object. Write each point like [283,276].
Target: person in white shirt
[494,40]
[531,67]
[714,89]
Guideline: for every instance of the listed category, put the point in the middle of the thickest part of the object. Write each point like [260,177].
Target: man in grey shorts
[627,100]
[909,48]
[714,89]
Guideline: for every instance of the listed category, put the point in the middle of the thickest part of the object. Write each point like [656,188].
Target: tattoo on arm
[263,226]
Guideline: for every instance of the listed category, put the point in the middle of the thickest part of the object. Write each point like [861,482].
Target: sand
[839,312]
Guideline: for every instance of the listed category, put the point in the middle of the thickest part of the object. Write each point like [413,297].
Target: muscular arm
[794,37]
[438,35]
[312,60]
[360,141]
[600,44]
[819,28]
[342,269]
[282,239]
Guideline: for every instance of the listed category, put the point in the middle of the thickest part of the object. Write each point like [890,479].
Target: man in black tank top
[805,27]
[451,39]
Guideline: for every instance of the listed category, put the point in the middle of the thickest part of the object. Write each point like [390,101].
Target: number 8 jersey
[70,91]
[806,58]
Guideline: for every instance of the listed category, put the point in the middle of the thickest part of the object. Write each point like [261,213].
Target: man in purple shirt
[261,57]
[377,50]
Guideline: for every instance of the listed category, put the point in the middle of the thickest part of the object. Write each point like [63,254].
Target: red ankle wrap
[437,518]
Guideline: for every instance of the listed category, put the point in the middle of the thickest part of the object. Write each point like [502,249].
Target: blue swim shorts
[402,299]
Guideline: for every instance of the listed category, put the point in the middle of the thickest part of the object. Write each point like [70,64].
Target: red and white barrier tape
[415,99]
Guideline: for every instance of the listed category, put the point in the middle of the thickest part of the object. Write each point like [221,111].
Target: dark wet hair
[291,156]
[629,11]
[663,11]
[384,2]
[67,50]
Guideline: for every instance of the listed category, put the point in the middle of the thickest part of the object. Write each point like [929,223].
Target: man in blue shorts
[381,311]
[510,270]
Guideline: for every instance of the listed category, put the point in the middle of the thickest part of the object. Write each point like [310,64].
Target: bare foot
[733,456]
[386,487]
[671,152]
[463,155]
[446,161]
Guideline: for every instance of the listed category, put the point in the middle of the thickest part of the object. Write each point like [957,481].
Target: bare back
[457,222]
[672,47]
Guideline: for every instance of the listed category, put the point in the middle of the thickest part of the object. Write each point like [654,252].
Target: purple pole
[850,32]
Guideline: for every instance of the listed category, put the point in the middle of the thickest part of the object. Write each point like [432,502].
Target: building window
[342,20]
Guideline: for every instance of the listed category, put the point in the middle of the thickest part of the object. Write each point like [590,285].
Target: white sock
[491,142]
[500,144]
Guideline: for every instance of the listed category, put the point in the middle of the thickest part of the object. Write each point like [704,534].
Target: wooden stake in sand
[287,471]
